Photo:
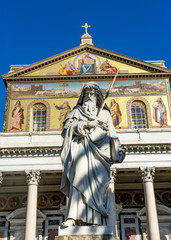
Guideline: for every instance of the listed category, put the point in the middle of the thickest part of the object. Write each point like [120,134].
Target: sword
[107,94]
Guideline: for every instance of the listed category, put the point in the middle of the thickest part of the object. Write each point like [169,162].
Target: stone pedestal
[86,233]
[85,237]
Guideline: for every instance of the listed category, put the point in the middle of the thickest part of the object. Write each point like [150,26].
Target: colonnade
[147,175]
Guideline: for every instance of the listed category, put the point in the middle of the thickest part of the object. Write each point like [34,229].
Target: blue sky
[34,30]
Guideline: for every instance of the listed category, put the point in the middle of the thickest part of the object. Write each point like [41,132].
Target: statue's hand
[103,125]
[91,124]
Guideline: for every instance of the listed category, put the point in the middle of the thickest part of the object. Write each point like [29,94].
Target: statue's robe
[86,159]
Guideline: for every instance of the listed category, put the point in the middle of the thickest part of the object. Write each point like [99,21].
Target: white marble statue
[90,146]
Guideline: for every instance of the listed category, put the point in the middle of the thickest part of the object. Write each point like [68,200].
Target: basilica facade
[40,96]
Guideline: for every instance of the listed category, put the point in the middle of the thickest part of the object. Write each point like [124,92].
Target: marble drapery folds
[86,157]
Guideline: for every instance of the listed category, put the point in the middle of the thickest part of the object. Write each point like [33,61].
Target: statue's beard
[89,106]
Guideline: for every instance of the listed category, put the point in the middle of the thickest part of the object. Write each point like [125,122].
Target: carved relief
[42,201]
[2,202]
[167,198]
[14,202]
[55,200]
[126,199]
[136,198]
[139,198]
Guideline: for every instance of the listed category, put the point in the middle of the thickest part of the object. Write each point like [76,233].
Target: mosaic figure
[160,112]
[17,118]
[67,69]
[115,113]
[64,111]
[87,64]
[106,67]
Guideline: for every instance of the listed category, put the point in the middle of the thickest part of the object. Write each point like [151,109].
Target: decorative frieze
[54,200]
[55,151]
[147,174]
[33,176]
[147,148]
[30,152]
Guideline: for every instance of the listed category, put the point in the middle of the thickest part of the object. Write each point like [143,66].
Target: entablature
[90,77]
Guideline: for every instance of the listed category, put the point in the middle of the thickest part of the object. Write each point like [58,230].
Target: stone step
[86,237]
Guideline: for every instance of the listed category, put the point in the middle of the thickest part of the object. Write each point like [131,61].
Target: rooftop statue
[89,148]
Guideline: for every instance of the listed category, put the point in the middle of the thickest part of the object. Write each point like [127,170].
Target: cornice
[92,49]
[55,151]
[30,152]
[126,76]
[147,148]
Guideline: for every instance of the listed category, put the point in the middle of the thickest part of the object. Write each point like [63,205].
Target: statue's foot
[68,223]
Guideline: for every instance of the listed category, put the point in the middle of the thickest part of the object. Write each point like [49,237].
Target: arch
[29,109]
[161,211]
[20,213]
[18,218]
[38,118]
[138,115]
[164,219]
[147,106]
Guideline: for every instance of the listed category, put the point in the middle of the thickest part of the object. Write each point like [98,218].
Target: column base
[86,233]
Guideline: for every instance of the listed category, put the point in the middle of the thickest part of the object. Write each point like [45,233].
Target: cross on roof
[86,26]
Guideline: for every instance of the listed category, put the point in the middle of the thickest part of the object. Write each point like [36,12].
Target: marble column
[112,220]
[11,232]
[147,175]
[33,178]
[143,231]
[40,237]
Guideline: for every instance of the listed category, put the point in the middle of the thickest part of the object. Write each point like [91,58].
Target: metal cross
[86,26]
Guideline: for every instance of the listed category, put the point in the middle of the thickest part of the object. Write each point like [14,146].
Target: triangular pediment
[87,60]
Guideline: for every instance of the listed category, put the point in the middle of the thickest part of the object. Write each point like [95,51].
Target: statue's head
[90,95]
[159,100]
[91,92]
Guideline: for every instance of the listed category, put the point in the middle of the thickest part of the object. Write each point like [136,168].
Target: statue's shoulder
[77,107]
[105,116]
[75,112]
[105,112]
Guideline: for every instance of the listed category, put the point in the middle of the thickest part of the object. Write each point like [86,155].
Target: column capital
[1,177]
[33,176]
[147,174]
[113,174]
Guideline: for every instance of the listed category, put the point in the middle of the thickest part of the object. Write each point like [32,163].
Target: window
[130,227]
[138,115]
[52,222]
[39,117]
